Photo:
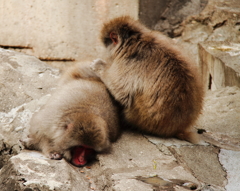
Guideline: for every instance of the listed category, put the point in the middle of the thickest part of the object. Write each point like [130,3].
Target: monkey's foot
[98,66]
[55,156]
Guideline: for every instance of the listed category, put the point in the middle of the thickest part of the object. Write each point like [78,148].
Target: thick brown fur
[151,78]
[80,112]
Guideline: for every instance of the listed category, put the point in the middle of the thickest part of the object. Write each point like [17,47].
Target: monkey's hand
[98,66]
[55,155]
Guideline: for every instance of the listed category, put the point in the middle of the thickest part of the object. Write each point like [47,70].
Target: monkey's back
[80,95]
[170,98]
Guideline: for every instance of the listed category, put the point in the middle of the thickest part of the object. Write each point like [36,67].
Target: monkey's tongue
[82,154]
[79,158]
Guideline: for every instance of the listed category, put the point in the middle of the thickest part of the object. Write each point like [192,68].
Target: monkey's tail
[189,136]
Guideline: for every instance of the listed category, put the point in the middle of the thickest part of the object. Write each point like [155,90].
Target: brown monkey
[151,78]
[78,119]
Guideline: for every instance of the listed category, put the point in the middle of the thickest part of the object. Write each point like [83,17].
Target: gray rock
[214,162]
[219,63]
[133,161]
[24,82]
[175,12]
[230,162]
[219,21]
[23,78]
[221,119]
[204,163]
[30,170]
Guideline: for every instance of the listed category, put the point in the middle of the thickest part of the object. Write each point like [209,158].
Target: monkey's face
[85,134]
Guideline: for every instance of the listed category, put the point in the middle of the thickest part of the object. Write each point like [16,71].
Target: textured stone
[59,30]
[30,170]
[134,156]
[23,78]
[219,21]
[219,63]
[24,83]
[204,163]
[230,161]
[220,116]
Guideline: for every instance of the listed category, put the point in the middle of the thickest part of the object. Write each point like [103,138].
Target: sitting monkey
[152,79]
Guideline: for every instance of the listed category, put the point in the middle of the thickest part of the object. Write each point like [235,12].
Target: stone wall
[65,30]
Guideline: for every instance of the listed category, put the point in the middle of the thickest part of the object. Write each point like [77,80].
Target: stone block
[66,31]
[30,170]
[24,83]
[220,117]
[58,30]
[219,64]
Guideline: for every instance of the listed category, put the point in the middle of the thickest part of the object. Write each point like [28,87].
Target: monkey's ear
[114,37]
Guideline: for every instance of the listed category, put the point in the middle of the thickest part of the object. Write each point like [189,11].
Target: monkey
[157,85]
[78,120]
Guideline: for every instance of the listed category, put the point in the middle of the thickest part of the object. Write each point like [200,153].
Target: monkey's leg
[98,66]
[29,143]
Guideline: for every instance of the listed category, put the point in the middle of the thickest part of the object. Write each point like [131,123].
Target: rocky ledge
[135,162]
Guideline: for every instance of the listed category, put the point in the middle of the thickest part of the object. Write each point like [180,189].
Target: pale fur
[80,112]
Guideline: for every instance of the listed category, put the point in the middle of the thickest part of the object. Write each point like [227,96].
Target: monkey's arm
[121,90]
[98,66]
[78,71]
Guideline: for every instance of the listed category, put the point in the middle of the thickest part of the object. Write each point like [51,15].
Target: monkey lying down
[79,119]
[152,79]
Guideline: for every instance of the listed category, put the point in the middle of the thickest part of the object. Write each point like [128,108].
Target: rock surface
[135,162]
[23,78]
[219,63]
[24,82]
[219,21]
[31,171]
[175,12]
[221,117]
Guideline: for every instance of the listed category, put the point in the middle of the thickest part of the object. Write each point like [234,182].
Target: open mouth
[81,155]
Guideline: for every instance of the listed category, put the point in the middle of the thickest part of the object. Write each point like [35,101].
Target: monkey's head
[85,134]
[117,31]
